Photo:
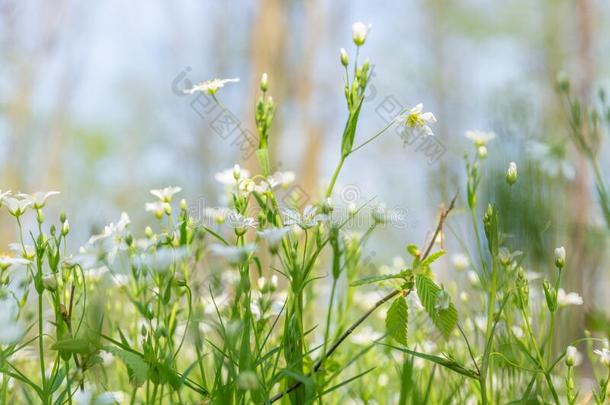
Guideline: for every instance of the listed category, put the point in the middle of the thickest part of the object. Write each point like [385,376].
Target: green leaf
[432,258]
[441,361]
[444,319]
[349,132]
[137,368]
[72,346]
[397,319]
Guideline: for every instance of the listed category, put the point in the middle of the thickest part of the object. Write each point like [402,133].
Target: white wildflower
[38,199]
[216,215]
[27,251]
[162,259]
[274,236]
[604,356]
[565,299]
[480,138]
[417,122]
[460,261]
[8,261]
[232,176]
[473,277]
[166,194]
[234,254]
[157,208]
[16,207]
[4,194]
[283,179]
[210,86]
[112,229]
[239,222]
[308,219]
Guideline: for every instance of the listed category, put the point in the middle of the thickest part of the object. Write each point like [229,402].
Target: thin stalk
[329,316]
[334,178]
[371,139]
[489,332]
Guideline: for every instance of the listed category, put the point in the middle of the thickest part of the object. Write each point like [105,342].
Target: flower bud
[327,206]
[50,282]
[511,173]
[504,256]
[39,216]
[65,228]
[344,57]
[379,214]
[551,296]
[563,81]
[62,217]
[571,353]
[359,32]
[148,232]
[236,172]
[129,239]
[264,82]
[167,208]
[560,257]
[183,205]
[482,151]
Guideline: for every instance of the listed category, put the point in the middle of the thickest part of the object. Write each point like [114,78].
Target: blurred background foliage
[88,107]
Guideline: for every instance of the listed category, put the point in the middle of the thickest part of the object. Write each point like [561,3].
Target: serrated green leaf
[397,319]
[72,346]
[444,319]
[137,368]
[432,258]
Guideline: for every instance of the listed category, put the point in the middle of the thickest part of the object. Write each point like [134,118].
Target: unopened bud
[236,172]
[359,32]
[344,57]
[511,173]
[50,282]
[264,82]
[571,353]
[65,227]
[560,257]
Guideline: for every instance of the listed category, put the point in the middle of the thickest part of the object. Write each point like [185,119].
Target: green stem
[372,138]
[473,216]
[329,191]
[41,343]
[328,317]
[489,331]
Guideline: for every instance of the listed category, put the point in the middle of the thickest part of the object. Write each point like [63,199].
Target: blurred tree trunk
[310,163]
[268,49]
